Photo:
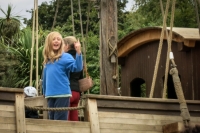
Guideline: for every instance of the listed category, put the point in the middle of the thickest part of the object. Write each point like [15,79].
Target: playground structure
[106,113]
[103,114]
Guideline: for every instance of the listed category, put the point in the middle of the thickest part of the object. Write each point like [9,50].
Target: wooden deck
[103,114]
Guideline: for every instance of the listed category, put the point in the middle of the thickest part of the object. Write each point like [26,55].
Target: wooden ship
[107,112]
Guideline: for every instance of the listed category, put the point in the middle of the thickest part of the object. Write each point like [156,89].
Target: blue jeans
[58,103]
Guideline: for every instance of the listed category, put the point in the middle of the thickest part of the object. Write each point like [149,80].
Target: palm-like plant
[22,52]
[10,24]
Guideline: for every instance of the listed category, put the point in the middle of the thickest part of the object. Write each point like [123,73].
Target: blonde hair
[70,40]
[48,53]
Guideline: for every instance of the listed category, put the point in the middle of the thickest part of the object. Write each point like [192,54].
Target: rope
[84,47]
[72,17]
[159,50]
[54,109]
[87,25]
[178,88]
[84,50]
[169,40]
[112,49]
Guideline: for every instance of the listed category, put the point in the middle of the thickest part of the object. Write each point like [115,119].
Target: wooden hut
[137,54]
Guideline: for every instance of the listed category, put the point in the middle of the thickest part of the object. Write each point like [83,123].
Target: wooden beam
[7,96]
[20,113]
[91,115]
[108,44]
[13,90]
[143,105]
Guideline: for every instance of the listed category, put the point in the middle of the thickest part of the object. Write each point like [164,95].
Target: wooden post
[91,115]
[20,113]
[108,47]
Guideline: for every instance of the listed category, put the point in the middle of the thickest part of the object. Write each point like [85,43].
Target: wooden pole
[108,47]
[37,46]
[33,41]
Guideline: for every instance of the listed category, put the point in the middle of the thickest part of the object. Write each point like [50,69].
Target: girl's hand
[77,47]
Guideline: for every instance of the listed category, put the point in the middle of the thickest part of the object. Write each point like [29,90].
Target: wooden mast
[108,47]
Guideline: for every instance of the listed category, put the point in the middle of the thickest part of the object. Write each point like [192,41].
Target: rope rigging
[159,50]
[174,72]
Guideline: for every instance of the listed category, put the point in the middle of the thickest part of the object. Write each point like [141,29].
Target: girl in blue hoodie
[57,67]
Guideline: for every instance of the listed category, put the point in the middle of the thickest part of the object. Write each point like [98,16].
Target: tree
[10,24]
[150,10]
[54,20]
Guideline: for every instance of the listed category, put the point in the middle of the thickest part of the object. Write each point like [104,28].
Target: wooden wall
[103,114]
[137,115]
[12,117]
[141,61]
[56,126]
[7,119]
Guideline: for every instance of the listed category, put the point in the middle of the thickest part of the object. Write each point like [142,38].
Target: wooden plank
[7,131]
[7,120]
[7,103]
[144,105]
[12,90]
[34,101]
[8,126]
[177,127]
[91,114]
[7,96]
[57,129]
[143,116]
[135,121]
[44,126]
[7,114]
[126,131]
[126,98]
[132,127]
[30,121]
[20,113]
[7,108]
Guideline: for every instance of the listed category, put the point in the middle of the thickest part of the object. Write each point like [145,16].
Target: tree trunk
[54,20]
[108,48]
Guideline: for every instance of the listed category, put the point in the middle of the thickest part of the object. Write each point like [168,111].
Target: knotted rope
[54,109]
[178,88]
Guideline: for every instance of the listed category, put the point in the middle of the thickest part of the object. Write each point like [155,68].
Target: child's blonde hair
[48,53]
[70,40]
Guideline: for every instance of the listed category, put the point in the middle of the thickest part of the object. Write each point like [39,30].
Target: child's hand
[77,47]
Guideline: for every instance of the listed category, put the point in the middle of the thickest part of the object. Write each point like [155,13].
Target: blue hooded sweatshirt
[56,75]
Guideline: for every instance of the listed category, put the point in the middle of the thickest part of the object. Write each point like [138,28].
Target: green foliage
[10,78]
[143,90]
[22,52]
[151,10]
[9,25]
[92,58]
